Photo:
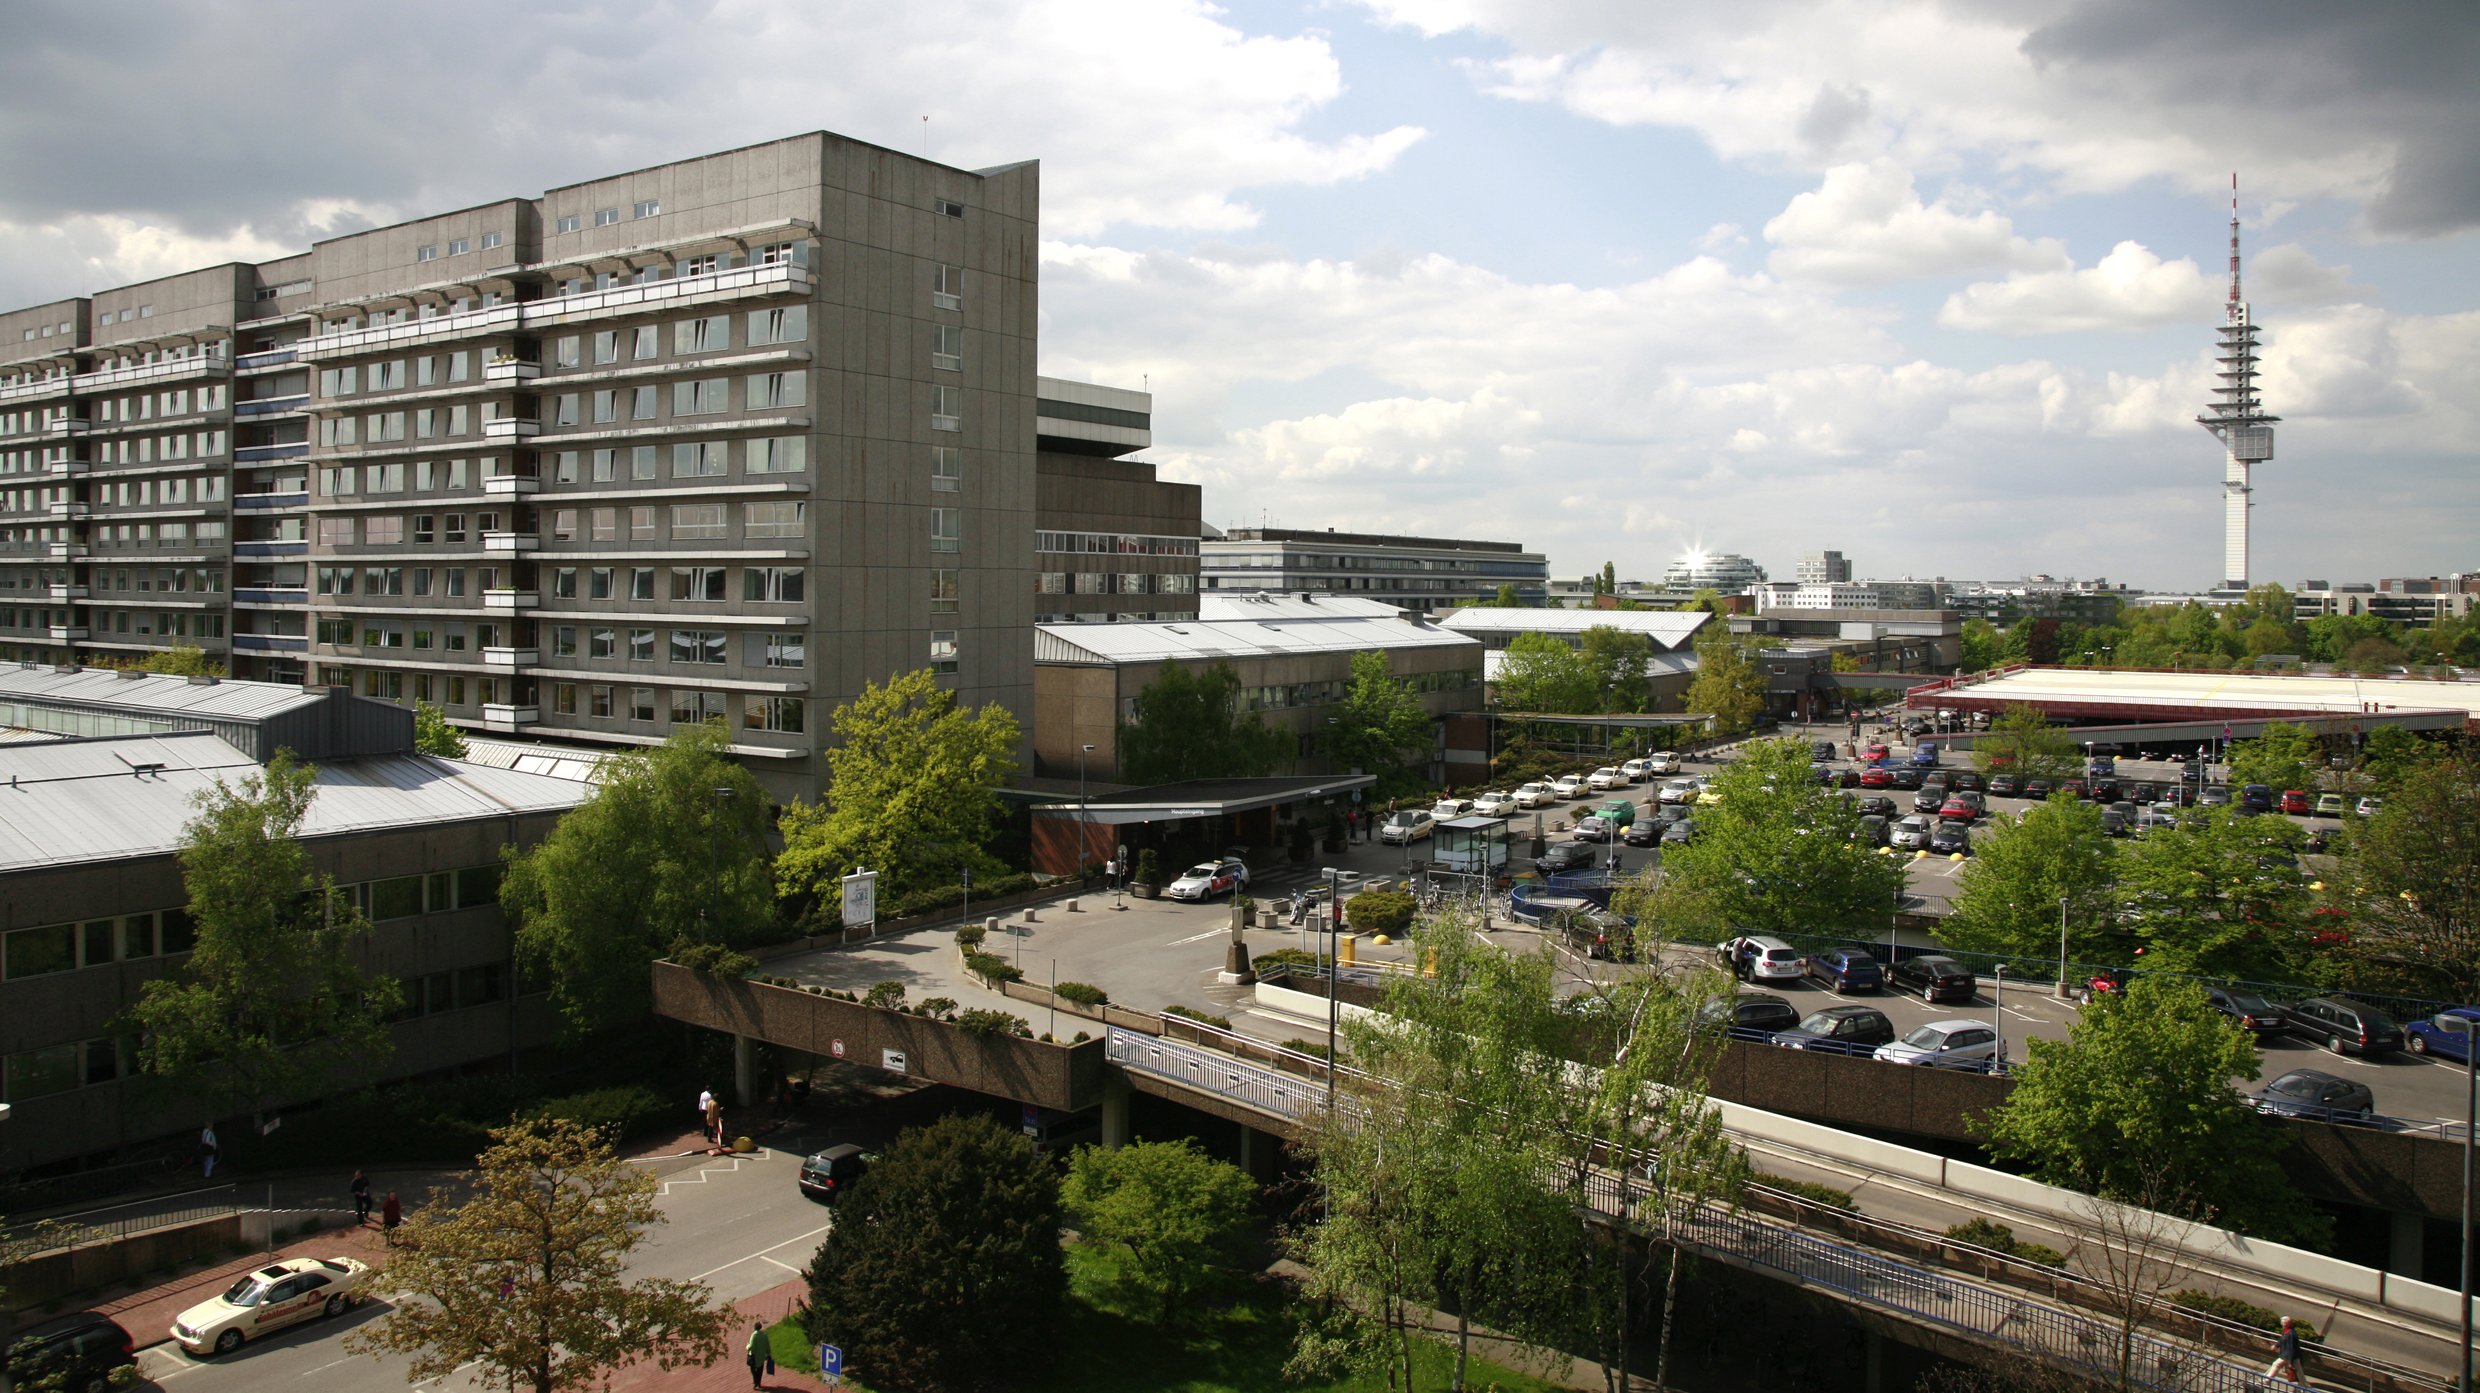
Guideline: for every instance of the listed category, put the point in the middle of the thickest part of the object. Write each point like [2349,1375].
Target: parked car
[1871,830]
[1877,805]
[285,1292]
[1673,812]
[1679,831]
[1956,1044]
[1932,796]
[2318,1096]
[1207,879]
[1908,778]
[1595,827]
[81,1351]
[2330,805]
[1935,977]
[2214,796]
[1404,828]
[2038,790]
[1608,776]
[2103,790]
[2344,1026]
[2426,1036]
[1619,812]
[1536,794]
[1840,1030]
[829,1174]
[1911,834]
[1494,804]
[1568,786]
[1842,970]
[1563,857]
[1768,959]
[1962,806]
[1680,790]
[1821,751]
[1951,839]
[1646,832]
[2138,791]
[2250,1012]
[1637,770]
[2004,786]
[1966,780]
[2075,788]
[2295,802]
[1750,1016]
[2371,805]
[2256,798]
[1662,762]
[2174,795]
[1876,776]
[1925,755]
[2153,817]
[1446,808]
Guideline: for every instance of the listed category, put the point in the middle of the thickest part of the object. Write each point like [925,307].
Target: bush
[983,1024]
[1218,1022]
[1081,1038]
[1379,911]
[713,958]
[991,968]
[1983,1233]
[617,1113]
[2039,1255]
[1148,868]
[1290,957]
[1315,1049]
[1082,993]
[887,995]
[1814,1193]
[937,1008]
[2237,1312]
[970,935]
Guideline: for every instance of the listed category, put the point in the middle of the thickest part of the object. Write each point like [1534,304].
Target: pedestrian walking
[206,1152]
[391,1213]
[714,1120]
[761,1359]
[2285,1365]
[361,1198]
[706,1113]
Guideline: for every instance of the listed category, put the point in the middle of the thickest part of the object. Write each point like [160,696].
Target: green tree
[1727,686]
[943,1269]
[434,735]
[1545,675]
[2217,896]
[2021,741]
[914,790]
[2285,756]
[1982,646]
[1178,1219]
[2391,755]
[2140,1090]
[1607,583]
[659,858]
[2330,636]
[273,1002]
[1620,664]
[2413,885]
[1381,728]
[1507,597]
[2010,892]
[1193,723]
[1780,855]
[554,1215]
[181,660]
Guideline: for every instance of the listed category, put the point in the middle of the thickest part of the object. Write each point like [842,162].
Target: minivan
[1925,754]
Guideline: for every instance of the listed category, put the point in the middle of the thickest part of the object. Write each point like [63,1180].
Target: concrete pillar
[745,1070]
[1114,1109]
[1873,1361]
[2405,1255]
[1248,1149]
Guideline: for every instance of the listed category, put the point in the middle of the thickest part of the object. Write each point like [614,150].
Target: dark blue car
[1845,970]
[2427,1037]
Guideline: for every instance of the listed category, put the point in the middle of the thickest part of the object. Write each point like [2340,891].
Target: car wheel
[336,1306]
[227,1342]
[2335,1044]
[2419,1044]
[96,1383]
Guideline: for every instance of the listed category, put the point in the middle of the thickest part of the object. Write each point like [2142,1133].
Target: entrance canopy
[1194,798]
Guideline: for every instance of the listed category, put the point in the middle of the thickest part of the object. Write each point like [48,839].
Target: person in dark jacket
[361,1198]
[2285,1363]
[761,1360]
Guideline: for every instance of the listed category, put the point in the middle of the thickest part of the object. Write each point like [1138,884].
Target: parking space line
[761,1253]
[1195,938]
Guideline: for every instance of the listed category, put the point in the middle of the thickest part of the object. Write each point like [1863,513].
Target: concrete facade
[1423,573]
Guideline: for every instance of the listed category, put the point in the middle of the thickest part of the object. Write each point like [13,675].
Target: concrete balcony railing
[65,551]
[67,468]
[71,510]
[272,406]
[270,643]
[511,428]
[747,282]
[511,600]
[511,658]
[65,427]
[497,716]
[511,485]
[199,365]
[495,319]
[67,633]
[68,592]
[269,502]
[508,372]
[511,543]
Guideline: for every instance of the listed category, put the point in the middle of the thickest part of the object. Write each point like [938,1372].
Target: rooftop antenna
[2231,308]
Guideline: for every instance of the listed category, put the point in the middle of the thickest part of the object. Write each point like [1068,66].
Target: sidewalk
[731,1372]
[147,1312]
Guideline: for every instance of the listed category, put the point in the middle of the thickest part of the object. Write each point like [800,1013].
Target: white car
[267,1300]
[1681,790]
[1769,959]
[2369,805]
[1637,770]
[1495,804]
[1945,1044]
[1209,878]
[1663,763]
[1451,807]
[1408,826]
[1912,833]
[1568,786]
[1536,795]
[1608,776]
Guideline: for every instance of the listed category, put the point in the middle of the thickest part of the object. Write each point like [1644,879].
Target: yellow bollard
[1429,964]
[1347,950]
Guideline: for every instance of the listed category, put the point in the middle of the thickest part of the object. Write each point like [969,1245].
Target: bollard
[1029,916]
[1072,909]
[990,925]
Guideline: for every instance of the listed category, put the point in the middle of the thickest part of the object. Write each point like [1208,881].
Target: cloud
[2131,288]
[2287,276]
[1865,225]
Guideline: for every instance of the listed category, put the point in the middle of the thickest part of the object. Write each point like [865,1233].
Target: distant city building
[2094,601]
[1848,594]
[1887,640]
[1111,541]
[1423,573]
[1725,571]
[1827,567]
[2424,600]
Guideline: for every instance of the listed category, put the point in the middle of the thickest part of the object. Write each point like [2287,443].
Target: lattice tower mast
[2236,417]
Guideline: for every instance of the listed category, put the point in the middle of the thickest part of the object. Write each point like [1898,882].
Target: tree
[661,857]
[277,965]
[914,790]
[1381,728]
[1980,643]
[2137,1103]
[2012,888]
[2021,741]
[2285,756]
[1727,686]
[1620,664]
[2217,896]
[943,1269]
[1544,675]
[1179,1218]
[2391,755]
[434,735]
[554,1215]
[1507,597]
[181,660]
[1192,723]
[2414,884]
[1780,853]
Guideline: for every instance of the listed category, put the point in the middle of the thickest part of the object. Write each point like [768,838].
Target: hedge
[2238,1312]
[990,967]
[1082,993]
[1290,957]
[1379,911]
[1998,1238]
[617,1113]
[1814,1193]
[713,958]
[982,1024]
[1186,1013]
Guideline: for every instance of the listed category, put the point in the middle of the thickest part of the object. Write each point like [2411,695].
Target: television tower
[2236,417]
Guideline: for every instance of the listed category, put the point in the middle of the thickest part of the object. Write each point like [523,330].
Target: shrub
[887,995]
[1315,1049]
[970,935]
[938,1008]
[1983,1233]
[991,968]
[984,1024]
[1081,1038]
[2039,1254]
[2237,1312]
[713,958]
[1218,1022]
[1379,911]
[617,1113]
[1290,957]
[1082,993]
[1148,868]
[1814,1193]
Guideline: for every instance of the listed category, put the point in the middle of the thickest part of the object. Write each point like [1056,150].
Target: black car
[2116,824]
[1908,777]
[1964,781]
[1643,832]
[2136,790]
[1756,1016]
[1935,977]
[2004,786]
[2250,1012]
[1846,778]
[1665,813]
[78,1351]
[1840,1030]
[1877,805]
[827,1175]
[2317,1096]
[2104,790]
[1930,798]
[1821,752]
[1679,833]
[1951,839]
[1872,831]
[1564,857]
[2344,1026]
[2036,789]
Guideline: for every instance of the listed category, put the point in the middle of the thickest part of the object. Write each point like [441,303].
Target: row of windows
[143,623]
[422,476]
[690,522]
[703,334]
[782,585]
[1114,544]
[704,396]
[143,449]
[683,647]
[401,580]
[119,493]
[395,375]
[699,459]
[774,254]
[782,715]
[1107,583]
[173,536]
[171,580]
[457,246]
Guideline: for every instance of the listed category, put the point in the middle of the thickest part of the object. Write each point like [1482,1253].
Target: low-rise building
[1424,573]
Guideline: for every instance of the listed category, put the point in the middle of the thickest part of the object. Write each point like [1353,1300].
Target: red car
[1960,806]
[1876,776]
[2295,800]
[1874,753]
[2074,788]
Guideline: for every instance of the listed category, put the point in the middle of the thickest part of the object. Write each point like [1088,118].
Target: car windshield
[1940,967]
[1405,819]
[2240,1001]
[2297,1085]
[1928,1037]
[1204,872]
[249,1291]
[1818,1024]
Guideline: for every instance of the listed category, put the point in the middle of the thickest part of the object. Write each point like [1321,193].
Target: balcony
[511,485]
[270,643]
[745,283]
[499,717]
[66,468]
[264,595]
[511,543]
[272,358]
[67,427]
[36,390]
[511,600]
[254,454]
[248,549]
[511,658]
[271,406]
[71,510]
[65,551]
[511,428]
[68,592]
[67,633]
[269,502]
[499,318]
[508,372]
[196,365]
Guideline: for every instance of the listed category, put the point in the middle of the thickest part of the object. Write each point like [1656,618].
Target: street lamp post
[1082,751]
[1997,1017]
[1334,978]
[2469,1028]
[2062,947]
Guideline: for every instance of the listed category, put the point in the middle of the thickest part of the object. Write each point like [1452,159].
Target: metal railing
[138,1216]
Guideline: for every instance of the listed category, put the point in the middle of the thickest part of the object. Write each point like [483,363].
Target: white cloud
[1866,225]
[2288,276]
[2131,288]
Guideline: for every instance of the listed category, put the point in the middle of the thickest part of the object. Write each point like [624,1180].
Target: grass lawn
[1240,1349]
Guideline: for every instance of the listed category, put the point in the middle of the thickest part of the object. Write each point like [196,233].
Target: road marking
[762,1252]
[1195,938]
[731,1164]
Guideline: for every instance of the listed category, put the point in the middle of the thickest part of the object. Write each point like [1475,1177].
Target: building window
[598,583]
[599,703]
[605,217]
[773,519]
[692,522]
[947,288]
[943,650]
[785,650]
[782,454]
[783,715]
[642,403]
[946,408]
[429,253]
[641,645]
[950,208]
[946,469]
[704,335]
[790,324]
[647,207]
[698,647]
[570,222]
[603,525]
[946,529]
[490,240]
[943,592]
[641,704]
[699,459]
[947,347]
[459,246]
[606,347]
[771,389]
[702,397]
[775,585]
[698,583]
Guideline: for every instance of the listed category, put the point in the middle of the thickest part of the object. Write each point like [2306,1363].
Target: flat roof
[74,800]
[156,693]
[1199,798]
[2129,692]
[1206,638]
[1659,665]
[1292,604]
[1667,627]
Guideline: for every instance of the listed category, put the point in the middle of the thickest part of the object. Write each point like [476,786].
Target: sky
[1934,283]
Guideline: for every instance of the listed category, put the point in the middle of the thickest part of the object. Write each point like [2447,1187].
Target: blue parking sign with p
[830,1360]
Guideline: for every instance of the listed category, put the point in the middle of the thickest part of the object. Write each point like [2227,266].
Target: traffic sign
[830,1360]
[839,1049]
